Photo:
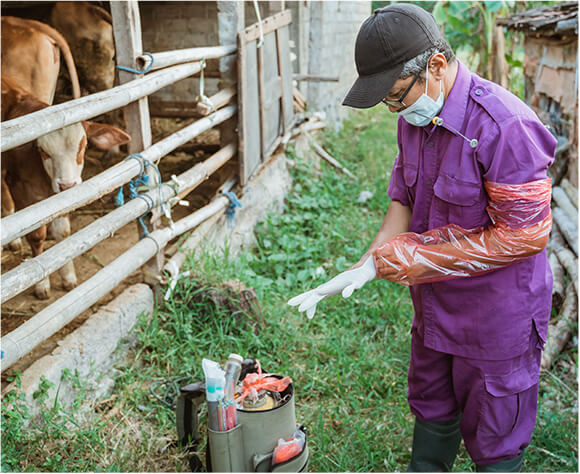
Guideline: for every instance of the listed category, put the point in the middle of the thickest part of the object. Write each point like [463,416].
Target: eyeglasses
[398,103]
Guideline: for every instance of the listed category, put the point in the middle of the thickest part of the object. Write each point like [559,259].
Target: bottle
[214,383]
[233,370]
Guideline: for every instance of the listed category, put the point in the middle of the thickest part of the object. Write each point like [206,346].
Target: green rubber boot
[509,465]
[435,445]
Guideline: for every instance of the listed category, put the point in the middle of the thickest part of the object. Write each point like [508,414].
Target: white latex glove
[345,283]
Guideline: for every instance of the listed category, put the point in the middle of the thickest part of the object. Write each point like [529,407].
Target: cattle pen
[254,110]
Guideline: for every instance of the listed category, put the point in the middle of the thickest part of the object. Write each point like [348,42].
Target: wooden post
[230,19]
[303,41]
[129,46]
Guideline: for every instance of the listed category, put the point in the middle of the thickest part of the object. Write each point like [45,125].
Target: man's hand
[345,283]
[363,259]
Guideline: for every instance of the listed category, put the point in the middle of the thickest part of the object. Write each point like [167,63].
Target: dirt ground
[25,305]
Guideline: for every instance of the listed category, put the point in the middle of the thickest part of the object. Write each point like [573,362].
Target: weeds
[348,364]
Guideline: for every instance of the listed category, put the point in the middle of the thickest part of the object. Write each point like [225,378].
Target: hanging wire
[257,9]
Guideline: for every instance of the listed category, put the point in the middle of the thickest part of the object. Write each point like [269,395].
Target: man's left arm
[519,195]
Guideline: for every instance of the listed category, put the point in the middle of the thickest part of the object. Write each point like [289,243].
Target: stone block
[89,351]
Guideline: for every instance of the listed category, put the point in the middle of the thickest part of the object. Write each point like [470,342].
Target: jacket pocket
[459,202]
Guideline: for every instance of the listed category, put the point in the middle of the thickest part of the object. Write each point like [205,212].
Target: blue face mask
[425,108]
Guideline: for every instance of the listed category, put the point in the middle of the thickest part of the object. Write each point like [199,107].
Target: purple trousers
[498,400]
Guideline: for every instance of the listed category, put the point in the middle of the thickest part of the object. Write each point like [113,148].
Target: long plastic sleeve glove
[521,224]
[345,283]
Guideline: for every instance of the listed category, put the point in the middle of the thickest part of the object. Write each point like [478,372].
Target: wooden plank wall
[264,90]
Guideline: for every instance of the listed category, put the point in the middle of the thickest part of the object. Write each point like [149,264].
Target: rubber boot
[508,465]
[435,445]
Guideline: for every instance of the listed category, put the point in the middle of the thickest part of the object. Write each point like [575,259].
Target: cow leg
[36,240]
[60,228]
[7,210]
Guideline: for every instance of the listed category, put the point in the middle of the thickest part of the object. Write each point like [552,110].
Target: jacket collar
[453,112]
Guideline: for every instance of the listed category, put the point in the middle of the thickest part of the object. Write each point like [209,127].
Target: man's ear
[438,66]
[103,136]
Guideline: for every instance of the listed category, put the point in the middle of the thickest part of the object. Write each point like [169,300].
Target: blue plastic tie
[136,71]
[133,185]
[234,202]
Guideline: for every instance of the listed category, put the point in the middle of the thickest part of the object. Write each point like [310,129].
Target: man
[466,230]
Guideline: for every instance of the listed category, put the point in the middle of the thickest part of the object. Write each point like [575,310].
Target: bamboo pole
[565,256]
[171,58]
[41,213]
[324,154]
[571,191]
[559,333]
[218,100]
[33,270]
[563,202]
[568,228]
[315,78]
[54,317]
[175,263]
[558,274]
[24,129]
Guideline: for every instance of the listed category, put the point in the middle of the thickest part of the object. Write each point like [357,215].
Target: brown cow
[30,55]
[89,32]
[48,165]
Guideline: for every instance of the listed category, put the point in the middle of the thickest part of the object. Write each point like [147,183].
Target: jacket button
[478,92]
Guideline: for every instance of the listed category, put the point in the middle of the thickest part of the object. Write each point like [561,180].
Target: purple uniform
[496,323]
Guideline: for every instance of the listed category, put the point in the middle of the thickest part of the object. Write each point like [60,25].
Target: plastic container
[214,386]
[233,370]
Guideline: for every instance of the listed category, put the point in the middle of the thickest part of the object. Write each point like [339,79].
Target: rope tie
[234,202]
[257,9]
[139,182]
[137,71]
[202,97]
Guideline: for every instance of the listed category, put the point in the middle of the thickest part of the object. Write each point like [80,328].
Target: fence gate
[264,91]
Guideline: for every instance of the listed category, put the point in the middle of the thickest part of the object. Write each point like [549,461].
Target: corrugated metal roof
[559,19]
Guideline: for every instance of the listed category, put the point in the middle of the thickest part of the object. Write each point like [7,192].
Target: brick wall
[330,34]
[178,25]
[323,34]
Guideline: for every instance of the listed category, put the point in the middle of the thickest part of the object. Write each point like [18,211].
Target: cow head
[89,32]
[63,151]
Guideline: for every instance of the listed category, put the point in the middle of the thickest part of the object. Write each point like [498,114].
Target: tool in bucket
[251,420]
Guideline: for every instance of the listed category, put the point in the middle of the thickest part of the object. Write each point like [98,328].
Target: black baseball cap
[385,42]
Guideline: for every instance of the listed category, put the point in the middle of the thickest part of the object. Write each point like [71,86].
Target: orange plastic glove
[522,221]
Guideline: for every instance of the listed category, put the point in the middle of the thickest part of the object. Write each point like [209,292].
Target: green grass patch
[349,363]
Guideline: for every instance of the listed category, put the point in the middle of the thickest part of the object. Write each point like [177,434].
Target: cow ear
[104,136]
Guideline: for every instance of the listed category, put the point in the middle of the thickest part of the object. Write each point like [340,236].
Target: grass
[348,364]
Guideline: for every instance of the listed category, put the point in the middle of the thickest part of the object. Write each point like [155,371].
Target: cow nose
[64,185]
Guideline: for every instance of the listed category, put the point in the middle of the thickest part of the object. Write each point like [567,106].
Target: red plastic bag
[286,450]
[255,382]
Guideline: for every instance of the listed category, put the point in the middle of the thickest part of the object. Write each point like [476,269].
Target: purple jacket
[439,174]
